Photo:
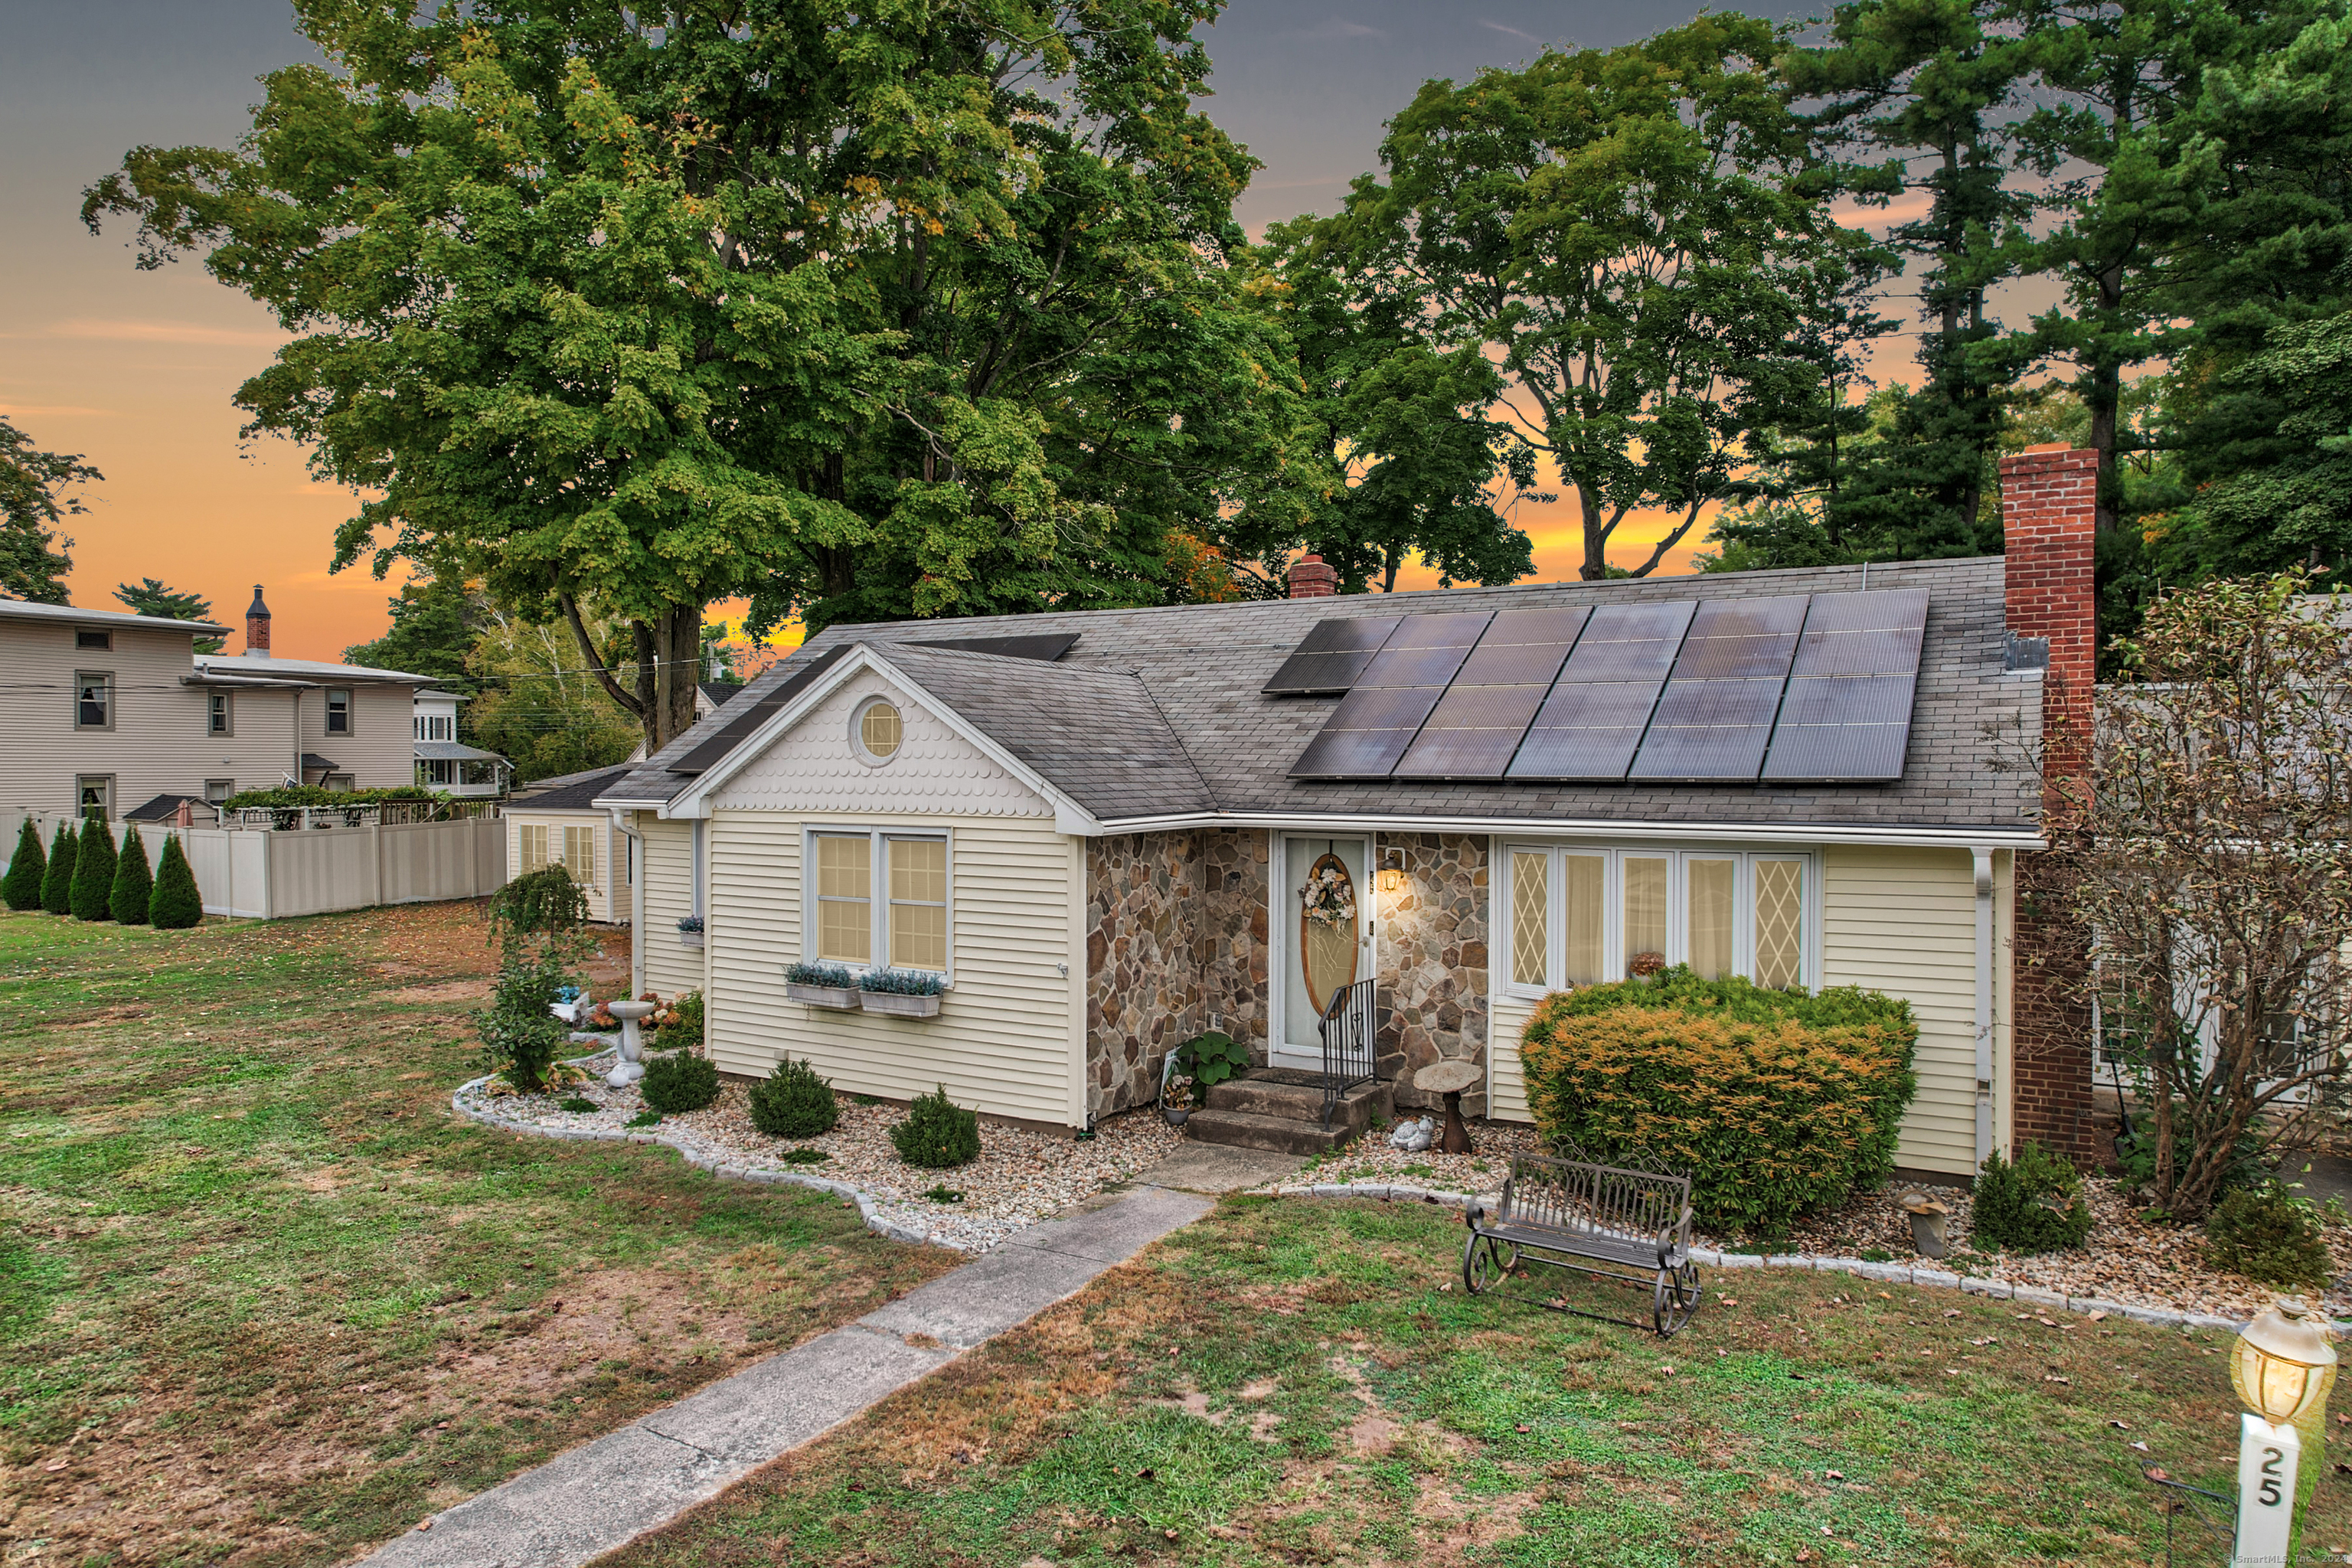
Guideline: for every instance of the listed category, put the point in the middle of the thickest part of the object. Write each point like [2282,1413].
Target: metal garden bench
[1622,1223]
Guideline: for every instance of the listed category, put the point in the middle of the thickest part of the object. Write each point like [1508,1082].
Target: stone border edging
[867,1202]
[1883,1273]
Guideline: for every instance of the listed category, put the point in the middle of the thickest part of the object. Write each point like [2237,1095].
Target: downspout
[634,851]
[294,778]
[1983,858]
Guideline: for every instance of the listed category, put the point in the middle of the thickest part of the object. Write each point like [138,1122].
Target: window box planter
[843,997]
[689,939]
[898,1005]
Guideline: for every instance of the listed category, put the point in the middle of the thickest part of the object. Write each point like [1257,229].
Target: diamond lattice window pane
[1530,902]
[1780,923]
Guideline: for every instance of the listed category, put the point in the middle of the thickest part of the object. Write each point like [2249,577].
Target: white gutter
[1795,834]
[1983,856]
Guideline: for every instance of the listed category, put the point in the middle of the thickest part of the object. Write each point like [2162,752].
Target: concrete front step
[1281,1110]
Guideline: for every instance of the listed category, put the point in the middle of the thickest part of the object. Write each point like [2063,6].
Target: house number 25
[2269,1492]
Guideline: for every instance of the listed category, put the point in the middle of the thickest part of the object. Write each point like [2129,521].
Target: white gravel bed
[1020,1178]
[2127,1264]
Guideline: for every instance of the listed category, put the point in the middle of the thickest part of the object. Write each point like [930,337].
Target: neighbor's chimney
[257,627]
[2049,498]
[1311,579]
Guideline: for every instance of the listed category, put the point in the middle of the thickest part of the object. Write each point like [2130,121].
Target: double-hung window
[93,701]
[1577,916]
[338,710]
[216,713]
[879,899]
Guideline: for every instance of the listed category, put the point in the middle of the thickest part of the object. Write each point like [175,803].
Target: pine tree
[135,884]
[57,884]
[93,876]
[175,904]
[26,868]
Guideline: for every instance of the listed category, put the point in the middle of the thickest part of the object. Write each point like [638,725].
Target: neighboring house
[1095,826]
[556,822]
[444,761]
[111,711]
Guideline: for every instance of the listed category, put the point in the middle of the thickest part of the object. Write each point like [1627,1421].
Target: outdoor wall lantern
[2283,1367]
[1393,872]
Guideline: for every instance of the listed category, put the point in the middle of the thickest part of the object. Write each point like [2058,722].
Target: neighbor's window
[93,701]
[881,898]
[93,637]
[844,898]
[531,840]
[879,732]
[216,713]
[435,771]
[580,853]
[338,710]
[95,792]
[218,790]
[918,902]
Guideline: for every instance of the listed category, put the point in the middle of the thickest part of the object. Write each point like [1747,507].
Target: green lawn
[263,1299]
[1290,1382]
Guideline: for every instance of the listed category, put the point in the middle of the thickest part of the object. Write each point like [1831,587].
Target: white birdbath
[632,1065]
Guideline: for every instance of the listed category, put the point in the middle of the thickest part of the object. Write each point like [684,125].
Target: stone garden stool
[1450,1079]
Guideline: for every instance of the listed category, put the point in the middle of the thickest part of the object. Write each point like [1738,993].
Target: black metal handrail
[1348,1043]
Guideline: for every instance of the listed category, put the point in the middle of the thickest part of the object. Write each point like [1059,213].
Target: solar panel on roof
[1847,715]
[1476,726]
[1590,725]
[1372,726]
[1331,656]
[1044,646]
[743,718]
[1715,715]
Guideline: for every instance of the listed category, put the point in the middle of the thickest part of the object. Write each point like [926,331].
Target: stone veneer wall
[1143,970]
[1232,936]
[1433,960]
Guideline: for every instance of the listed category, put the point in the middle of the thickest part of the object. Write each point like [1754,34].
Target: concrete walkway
[608,1492]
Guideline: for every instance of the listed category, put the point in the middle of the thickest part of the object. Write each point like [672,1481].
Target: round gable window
[876,731]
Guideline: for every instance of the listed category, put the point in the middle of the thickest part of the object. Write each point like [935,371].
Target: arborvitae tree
[57,883]
[175,904]
[93,878]
[135,884]
[26,868]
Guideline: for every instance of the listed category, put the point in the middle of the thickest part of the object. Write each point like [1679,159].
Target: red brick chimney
[1311,579]
[257,627]
[2049,510]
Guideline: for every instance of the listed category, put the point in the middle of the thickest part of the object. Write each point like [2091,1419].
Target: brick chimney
[257,627]
[2049,513]
[1311,579]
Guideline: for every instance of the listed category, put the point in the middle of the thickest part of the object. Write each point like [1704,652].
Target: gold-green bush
[1777,1102]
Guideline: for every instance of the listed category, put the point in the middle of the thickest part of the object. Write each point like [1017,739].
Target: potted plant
[901,993]
[1175,1097]
[689,932]
[822,986]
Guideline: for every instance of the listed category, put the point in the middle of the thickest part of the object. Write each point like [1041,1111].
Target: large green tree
[435,622]
[149,598]
[624,308]
[1636,237]
[36,493]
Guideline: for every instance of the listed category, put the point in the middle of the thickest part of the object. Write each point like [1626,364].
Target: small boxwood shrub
[26,870]
[938,1134]
[1775,1102]
[792,1101]
[2268,1235]
[2033,1205]
[678,1082]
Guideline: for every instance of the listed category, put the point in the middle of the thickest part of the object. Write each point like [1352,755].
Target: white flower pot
[689,939]
[841,996]
[899,1007]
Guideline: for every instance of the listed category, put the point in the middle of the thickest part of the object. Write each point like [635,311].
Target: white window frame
[1612,908]
[877,892]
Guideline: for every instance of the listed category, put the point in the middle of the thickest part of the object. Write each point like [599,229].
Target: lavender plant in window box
[901,993]
[822,986]
[689,932]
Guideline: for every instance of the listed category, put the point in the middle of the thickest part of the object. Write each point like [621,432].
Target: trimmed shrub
[93,880]
[1775,1102]
[57,883]
[519,1037]
[175,905]
[685,1026]
[135,884]
[794,1102]
[2033,1205]
[21,889]
[678,1081]
[938,1134]
[2269,1235]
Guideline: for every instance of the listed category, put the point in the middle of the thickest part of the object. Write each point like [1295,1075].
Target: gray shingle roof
[1187,689]
[567,791]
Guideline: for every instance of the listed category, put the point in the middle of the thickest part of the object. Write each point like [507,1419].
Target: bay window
[878,900]
[1577,916]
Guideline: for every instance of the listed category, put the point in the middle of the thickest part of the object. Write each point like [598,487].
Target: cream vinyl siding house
[555,823]
[667,891]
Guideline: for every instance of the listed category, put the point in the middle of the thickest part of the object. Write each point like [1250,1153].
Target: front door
[1323,907]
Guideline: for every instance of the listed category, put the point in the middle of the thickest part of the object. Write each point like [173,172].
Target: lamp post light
[2283,1367]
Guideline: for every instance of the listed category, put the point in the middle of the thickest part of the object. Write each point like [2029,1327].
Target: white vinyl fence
[257,874]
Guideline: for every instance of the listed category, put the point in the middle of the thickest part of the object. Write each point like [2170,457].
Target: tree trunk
[2104,403]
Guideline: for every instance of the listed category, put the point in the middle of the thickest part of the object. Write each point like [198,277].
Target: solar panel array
[1797,689]
[750,715]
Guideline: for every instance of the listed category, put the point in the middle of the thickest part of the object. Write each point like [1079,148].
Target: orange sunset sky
[135,370]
